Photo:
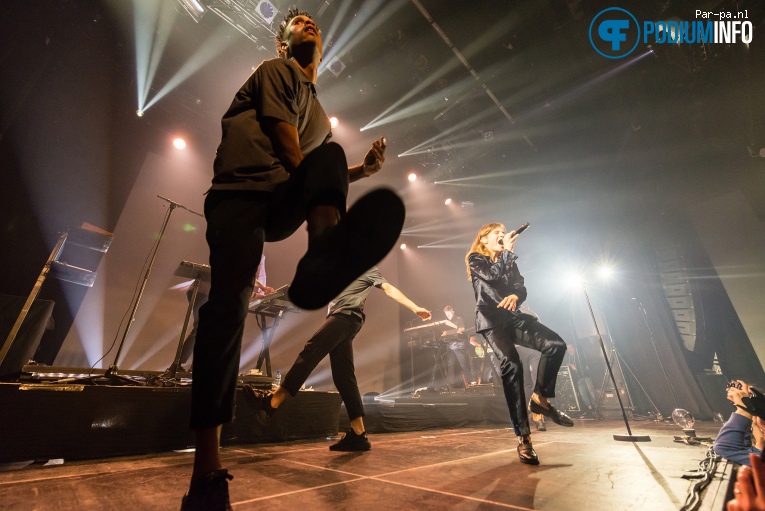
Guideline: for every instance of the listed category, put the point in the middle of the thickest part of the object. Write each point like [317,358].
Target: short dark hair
[279,38]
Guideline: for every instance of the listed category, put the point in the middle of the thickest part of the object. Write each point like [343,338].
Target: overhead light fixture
[335,66]
[448,201]
[266,10]
[334,122]
[412,177]
[195,9]
[179,143]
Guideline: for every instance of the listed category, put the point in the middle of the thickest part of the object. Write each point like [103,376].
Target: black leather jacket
[493,281]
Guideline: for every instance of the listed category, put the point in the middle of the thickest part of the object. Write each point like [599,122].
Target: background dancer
[344,320]
[499,290]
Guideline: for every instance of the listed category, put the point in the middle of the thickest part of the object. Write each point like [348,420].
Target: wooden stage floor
[582,468]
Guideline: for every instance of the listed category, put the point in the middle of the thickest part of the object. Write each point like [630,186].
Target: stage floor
[582,468]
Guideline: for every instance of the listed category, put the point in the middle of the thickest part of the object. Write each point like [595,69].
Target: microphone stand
[112,373]
[629,437]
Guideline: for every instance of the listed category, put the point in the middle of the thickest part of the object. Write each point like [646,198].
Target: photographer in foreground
[740,436]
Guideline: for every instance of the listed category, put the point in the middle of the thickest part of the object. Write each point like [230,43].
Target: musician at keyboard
[458,367]
[344,320]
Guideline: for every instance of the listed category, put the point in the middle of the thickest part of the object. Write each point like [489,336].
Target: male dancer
[499,291]
[275,169]
[344,320]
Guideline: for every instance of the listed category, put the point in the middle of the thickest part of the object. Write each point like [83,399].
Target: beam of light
[435,101]
[165,26]
[559,166]
[448,201]
[336,22]
[583,87]
[471,141]
[153,23]
[429,80]
[402,246]
[211,48]
[145,19]
[179,143]
[412,177]
[461,246]
[365,22]
[442,240]
[89,319]
[476,185]
[430,226]
[334,122]
[460,125]
[170,337]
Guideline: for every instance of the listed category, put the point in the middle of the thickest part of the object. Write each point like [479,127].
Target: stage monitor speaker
[28,338]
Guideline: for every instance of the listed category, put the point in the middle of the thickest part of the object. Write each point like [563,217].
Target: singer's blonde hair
[478,246]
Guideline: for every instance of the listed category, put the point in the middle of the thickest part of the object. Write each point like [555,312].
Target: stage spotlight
[448,201]
[606,272]
[179,143]
[334,122]
[574,280]
[139,113]
[403,246]
[412,177]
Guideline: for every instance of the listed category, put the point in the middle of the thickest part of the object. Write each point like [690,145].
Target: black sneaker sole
[362,239]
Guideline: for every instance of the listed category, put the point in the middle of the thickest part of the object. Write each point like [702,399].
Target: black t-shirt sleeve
[274,92]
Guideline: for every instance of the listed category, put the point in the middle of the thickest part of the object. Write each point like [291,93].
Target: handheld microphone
[521,228]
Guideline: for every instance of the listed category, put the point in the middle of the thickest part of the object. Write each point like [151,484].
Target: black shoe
[526,453]
[261,401]
[557,417]
[352,442]
[540,424]
[342,253]
[210,493]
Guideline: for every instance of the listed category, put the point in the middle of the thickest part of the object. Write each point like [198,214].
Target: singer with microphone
[499,291]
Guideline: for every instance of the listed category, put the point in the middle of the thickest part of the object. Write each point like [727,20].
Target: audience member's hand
[749,490]
[735,395]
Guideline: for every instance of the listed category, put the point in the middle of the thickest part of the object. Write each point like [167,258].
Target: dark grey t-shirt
[245,159]
[351,300]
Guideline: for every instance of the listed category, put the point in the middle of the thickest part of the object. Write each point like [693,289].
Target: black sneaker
[210,493]
[339,255]
[352,442]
